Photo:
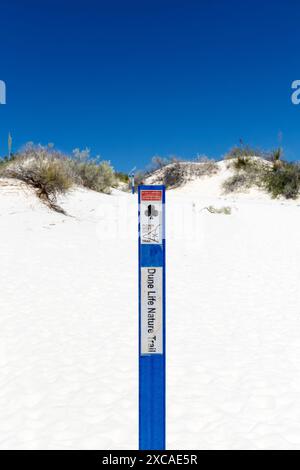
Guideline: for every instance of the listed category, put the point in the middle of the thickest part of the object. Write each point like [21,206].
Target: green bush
[2,163]
[90,172]
[96,176]
[246,175]
[283,181]
[278,179]
[242,157]
[122,177]
[276,154]
[5,160]
[244,151]
[241,163]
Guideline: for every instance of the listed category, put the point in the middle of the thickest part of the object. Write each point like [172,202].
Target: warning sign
[151,195]
[151,217]
[151,311]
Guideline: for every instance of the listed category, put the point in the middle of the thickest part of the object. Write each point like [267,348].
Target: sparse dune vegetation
[267,171]
[175,172]
[91,173]
[52,173]
[283,180]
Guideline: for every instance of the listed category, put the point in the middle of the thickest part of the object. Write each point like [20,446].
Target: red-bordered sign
[151,195]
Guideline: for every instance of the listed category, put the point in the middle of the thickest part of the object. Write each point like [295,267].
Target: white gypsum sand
[68,320]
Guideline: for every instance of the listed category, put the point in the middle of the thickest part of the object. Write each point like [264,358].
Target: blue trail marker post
[152,318]
[131,178]
[132,183]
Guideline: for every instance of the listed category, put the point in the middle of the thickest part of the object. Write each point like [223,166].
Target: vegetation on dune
[173,172]
[226,210]
[91,172]
[157,162]
[244,151]
[237,182]
[178,173]
[283,180]
[242,154]
[52,173]
[122,177]
[276,176]
[203,166]
[247,173]
[173,175]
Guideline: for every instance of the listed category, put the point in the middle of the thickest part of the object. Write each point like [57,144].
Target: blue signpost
[152,318]
[132,182]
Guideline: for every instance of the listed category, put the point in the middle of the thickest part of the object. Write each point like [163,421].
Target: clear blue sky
[131,79]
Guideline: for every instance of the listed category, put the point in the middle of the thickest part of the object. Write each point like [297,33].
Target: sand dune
[68,320]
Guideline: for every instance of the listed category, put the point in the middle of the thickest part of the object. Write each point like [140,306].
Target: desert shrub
[278,179]
[226,210]
[173,175]
[244,151]
[241,163]
[91,173]
[276,157]
[246,161]
[96,176]
[157,162]
[237,182]
[246,176]
[283,181]
[51,173]
[207,167]
[49,176]
[177,172]
[122,177]
[276,154]
[2,163]
[81,155]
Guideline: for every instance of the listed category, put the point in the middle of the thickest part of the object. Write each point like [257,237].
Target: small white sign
[151,311]
[151,217]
